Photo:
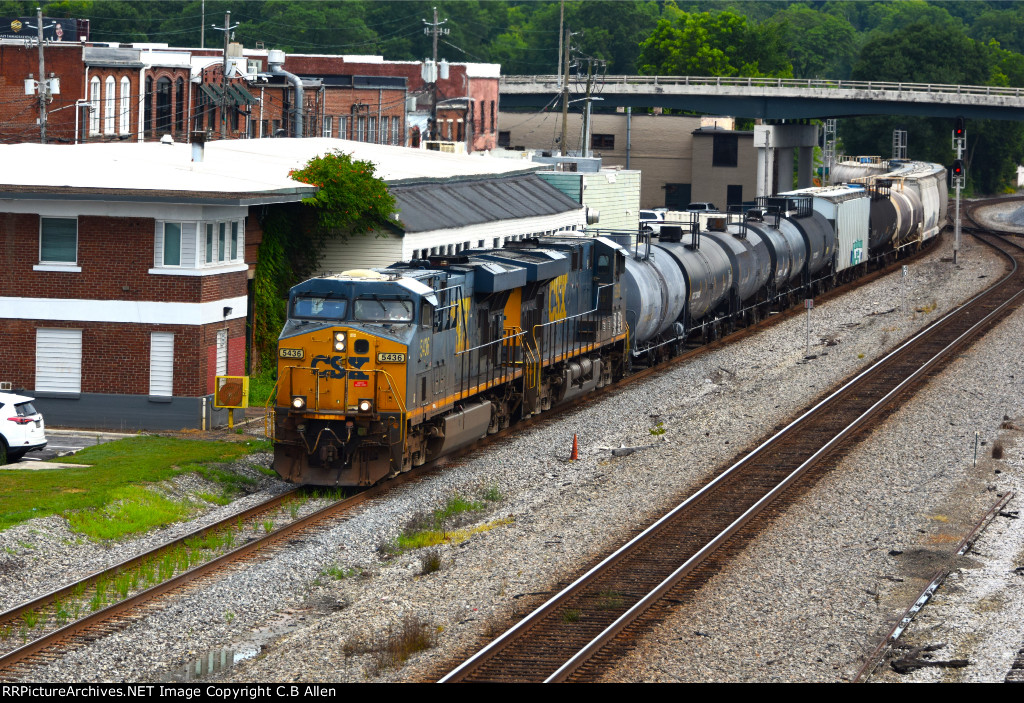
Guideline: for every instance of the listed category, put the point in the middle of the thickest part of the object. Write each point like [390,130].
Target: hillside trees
[928,53]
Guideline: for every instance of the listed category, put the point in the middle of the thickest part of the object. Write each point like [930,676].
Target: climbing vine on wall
[350,201]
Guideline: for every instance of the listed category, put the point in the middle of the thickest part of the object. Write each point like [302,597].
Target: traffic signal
[958,168]
[959,130]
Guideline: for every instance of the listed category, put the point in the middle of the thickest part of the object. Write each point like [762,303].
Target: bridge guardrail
[810,83]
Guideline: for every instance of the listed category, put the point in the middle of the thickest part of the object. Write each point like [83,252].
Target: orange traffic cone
[575,449]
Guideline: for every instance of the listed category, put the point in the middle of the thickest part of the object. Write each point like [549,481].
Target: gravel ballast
[812,621]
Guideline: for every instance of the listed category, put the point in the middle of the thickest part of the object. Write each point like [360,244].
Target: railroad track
[578,631]
[84,630]
[62,630]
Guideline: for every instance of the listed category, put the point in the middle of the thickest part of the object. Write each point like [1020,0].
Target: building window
[360,129]
[342,127]
[109,103]
[504,139]
[161,363]
[148,112]
[493,123]
[396,127]
[221,234]
[179,106]
[94,105]
[58,240]
[126,106]
[163,105]
[328,127]
[222,352]
[725,150]
[59,360]
[172,244]
[602,141]
[372,136]
[209,243]
[234,241]
[385,128]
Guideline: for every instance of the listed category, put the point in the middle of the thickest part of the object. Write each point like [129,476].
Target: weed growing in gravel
[658,429]
[609,600]
[268,526]
[571,615]
[430,561]
[340,572]
[293,509]
[99,597]
[133,510]
[229,617]
[123,584]
[413,635]
[222,499]
[31,618]
[61,612]
[492,494]
[5,632]
[265,471]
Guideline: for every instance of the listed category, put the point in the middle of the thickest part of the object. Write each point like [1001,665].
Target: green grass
[133,510]
[114,467]
[261,386]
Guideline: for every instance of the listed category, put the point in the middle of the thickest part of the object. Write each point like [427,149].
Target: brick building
[124,289]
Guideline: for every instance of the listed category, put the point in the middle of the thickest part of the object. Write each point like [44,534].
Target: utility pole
[561,26]
[202,27]
[434,28]
[586,119]
[43,85]
[959,145]
[565,96]
[224,74]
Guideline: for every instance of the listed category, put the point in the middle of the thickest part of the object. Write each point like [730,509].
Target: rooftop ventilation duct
[275,59]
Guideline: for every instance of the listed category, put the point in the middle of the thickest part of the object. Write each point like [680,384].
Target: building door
[677,196]
[733,196]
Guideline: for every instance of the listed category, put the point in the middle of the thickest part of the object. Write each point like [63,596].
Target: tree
[720,44]
[818,44]
[929,53]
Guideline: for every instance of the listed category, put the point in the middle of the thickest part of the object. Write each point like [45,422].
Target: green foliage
[941,52]
[349,199]
[714,44]
[134,510]
[115,466]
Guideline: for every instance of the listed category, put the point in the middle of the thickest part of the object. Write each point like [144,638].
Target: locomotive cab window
[382,310]
[320,308]
[604,265]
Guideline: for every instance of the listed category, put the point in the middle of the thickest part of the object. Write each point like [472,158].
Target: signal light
[958,168]
[959,130]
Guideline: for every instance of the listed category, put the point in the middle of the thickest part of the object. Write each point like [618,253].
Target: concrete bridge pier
[776,145]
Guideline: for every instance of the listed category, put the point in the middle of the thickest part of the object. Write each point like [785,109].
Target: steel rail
[588,650]
[274,503]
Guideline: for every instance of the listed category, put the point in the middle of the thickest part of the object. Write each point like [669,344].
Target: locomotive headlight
[298,402]
[364,406]
[339,341]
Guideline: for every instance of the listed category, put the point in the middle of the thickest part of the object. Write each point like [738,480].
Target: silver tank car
[655,292]
[706,269]
[786,249]
[750,267]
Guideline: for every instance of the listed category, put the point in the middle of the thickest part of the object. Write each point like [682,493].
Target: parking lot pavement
[61,443]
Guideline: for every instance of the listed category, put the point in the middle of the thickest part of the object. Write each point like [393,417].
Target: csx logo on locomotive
[336,370]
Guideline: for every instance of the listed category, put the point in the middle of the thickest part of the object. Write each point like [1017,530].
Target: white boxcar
[848,209]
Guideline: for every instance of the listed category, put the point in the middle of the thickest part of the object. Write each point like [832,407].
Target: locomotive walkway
[776,98]
[580,629]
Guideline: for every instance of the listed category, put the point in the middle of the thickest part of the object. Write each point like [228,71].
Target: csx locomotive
[380,371]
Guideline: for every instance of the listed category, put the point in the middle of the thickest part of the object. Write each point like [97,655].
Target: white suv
[21,427]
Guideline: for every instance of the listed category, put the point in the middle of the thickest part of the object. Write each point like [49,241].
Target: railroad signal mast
[957,173]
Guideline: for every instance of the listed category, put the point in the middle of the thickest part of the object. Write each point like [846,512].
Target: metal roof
[428,207]
[233,169]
